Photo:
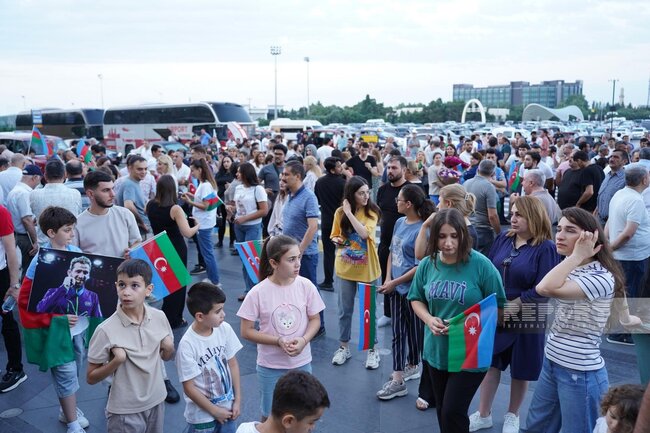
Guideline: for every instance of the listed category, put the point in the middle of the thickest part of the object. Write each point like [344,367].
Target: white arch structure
[473,103]
[540,112]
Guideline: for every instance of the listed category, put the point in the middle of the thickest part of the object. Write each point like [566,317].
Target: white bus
[67,124]
[290,128]
[126,128]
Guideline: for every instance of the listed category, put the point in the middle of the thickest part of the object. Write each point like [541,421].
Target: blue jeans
[634,271]
[229,426]
[243,233]
[205,246]
[566,399]
[267,378]
[309,270]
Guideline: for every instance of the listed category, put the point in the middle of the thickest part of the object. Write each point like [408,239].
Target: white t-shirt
[575,336]
[246,199]
[324,152]
[204,360]
[181,173]
[248,427]
[628,205]
[109,234]
[206,219]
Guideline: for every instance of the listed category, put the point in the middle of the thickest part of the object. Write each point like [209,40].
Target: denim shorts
[66,376]
[267,378]
[229,426]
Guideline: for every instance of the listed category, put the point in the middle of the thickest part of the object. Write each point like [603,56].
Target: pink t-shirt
[282,311]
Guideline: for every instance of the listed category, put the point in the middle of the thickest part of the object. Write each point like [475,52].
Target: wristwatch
[15,286]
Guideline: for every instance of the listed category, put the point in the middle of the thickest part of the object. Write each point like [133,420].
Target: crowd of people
[577,243]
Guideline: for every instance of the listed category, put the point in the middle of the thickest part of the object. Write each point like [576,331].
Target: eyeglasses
[508,260]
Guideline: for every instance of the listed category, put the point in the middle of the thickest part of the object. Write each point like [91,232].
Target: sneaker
[510,423]
[624,339]
[12,379]
[477,422]
[198,269]
[392,389]
[341,355]
[412,372]
[83,421]
[372,360]
[383,321]
[76,430]
[172,394]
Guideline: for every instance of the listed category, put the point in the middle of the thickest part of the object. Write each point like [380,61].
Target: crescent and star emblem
[162,268]
[472,328]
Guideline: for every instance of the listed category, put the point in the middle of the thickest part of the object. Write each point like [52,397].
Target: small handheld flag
[213,201]
[250,252]
[83,150]
[367,309]
[39,142]
[471,336]
[515,179]
[169,272]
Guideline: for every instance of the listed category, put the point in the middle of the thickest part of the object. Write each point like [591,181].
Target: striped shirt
[575,335]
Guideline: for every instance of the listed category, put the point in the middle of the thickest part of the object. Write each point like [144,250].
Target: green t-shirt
[448,290]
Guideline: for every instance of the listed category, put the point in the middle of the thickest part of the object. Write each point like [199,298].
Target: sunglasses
[508,260]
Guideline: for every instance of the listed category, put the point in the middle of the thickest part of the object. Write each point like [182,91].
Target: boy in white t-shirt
[207,366]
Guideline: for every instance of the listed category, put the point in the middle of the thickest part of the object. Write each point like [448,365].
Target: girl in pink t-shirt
[286,306]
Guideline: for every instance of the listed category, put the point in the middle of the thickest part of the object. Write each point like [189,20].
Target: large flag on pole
[367,309]
[39,142]
[169,272]
[471,336]
[250,253]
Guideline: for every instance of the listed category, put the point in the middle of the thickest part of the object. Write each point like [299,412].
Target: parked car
[638,132]
[20,142]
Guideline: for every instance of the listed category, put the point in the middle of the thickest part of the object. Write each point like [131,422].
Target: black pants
[329,250]
[383,252]
[10,330]
[173,307]
[25,245]
[221,210]
[453,393]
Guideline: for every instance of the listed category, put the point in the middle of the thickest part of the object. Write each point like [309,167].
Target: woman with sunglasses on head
[573,379]
[453,278]
[523,255]
[353,232]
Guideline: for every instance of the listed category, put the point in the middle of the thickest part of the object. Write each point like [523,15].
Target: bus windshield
[228,112]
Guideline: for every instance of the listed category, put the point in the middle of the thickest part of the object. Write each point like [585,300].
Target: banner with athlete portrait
[68,282]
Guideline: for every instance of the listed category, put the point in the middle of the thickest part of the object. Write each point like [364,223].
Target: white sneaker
[383,321]
[73,430]
[372,360]
[341,355]
[477,422]
[83,421]
[412,372]
[510,423]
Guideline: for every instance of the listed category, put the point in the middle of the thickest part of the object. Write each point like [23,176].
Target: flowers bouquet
[448,176]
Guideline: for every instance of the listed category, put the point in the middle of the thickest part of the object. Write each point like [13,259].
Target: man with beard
[103,228]
[72,297]
[386,195]
[363,164]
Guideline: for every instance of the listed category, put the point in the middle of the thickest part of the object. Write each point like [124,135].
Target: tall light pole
[276,50]
[24,102]
[307,60]
[611,121]
[101,87]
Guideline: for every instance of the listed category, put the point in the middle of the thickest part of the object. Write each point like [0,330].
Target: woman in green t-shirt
[449,281]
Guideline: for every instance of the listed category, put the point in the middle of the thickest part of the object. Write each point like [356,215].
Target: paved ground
[33,407]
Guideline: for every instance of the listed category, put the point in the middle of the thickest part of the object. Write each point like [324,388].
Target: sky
[65,53]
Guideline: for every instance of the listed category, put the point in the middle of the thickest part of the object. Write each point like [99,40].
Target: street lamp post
[307,60]
[276,50]
[101,88]
[611,121]
[24,102]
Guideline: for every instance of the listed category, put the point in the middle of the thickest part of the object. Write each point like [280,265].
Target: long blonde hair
[311,164]
[459,197]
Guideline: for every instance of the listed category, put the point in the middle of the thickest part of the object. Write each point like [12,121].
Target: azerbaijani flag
[250,252]
[169,272]
[39,142]
[471,336]
[515,179]
[83,150]
[213,201]
[367,307]
[193,184]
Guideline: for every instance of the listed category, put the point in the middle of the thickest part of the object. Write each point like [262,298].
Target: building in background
[519,93]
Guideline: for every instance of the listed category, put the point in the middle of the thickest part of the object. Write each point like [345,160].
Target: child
[299,401]
[207,366]
[127,346]
[620,408]
[287,307]
[58,224]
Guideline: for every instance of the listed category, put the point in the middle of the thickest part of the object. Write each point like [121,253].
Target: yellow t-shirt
[358,259]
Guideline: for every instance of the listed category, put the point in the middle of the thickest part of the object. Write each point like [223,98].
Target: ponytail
[274,248]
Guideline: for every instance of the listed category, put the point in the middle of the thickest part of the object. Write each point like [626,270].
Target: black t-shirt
[329,192]
[592,175]
[570,188]
[359,167]
[386,195]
